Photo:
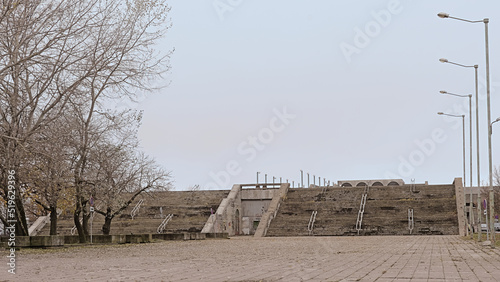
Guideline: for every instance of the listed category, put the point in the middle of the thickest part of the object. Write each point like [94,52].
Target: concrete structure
[190,210]
[379,182]
[278,210]
[247,210]
[375,210]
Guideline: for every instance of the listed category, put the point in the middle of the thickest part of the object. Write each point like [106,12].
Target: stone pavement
[377,258]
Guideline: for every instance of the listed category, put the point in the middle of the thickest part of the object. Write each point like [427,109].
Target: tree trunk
[85,223]
[106,227]
[53,220]
[76,217]
[21,224]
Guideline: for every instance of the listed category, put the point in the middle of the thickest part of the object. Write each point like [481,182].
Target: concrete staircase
[385,213]
[190,212]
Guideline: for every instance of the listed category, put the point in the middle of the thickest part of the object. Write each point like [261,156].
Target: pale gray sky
[339,89]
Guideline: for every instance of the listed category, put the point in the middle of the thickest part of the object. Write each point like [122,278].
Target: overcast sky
[340,89]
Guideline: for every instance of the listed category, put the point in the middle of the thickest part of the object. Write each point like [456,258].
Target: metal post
[308,180]
[492,194]
[301,178]
[274,179]
[265,178]
[314,180]
[258,179]
[281,180]
[471,215]
[479,209]
[463,154]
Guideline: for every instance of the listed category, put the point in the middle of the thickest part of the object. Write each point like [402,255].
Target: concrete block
[46,241]
[71,239]
[118,239]
[23,241]
[102,239]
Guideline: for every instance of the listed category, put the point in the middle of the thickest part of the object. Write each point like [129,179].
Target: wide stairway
[377,210]
[189,212]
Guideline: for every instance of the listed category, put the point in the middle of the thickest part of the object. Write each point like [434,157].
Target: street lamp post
[470,151]
[479,213]
[463,143]
[490,164]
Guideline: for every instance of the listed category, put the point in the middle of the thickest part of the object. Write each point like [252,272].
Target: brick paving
[377,258]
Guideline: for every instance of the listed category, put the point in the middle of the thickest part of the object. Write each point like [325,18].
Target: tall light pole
[463,138]
[258,178]
[308,180]
[479,210]
[490,164]
[463,141]
[470,150]
[301,179]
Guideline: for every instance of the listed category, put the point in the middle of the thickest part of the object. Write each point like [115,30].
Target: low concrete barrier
[57,241]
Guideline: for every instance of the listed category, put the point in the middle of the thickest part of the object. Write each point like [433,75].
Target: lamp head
[442,60]
[443,15]
[440,113]
[443,92]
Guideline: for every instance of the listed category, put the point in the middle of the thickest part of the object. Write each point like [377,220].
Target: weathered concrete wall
[460,198]
[258,194]
[252,212]
[240,210]
[227,218]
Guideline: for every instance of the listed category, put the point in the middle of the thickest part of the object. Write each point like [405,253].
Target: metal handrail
[310,226]
[359,220]
[411,223]
[135,210]
[163,224]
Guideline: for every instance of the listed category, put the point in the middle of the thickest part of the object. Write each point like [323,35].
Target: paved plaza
[377,258]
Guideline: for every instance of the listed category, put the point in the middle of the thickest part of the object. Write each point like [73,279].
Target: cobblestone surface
[386,258]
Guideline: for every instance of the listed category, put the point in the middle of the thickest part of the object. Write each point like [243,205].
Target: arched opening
[361,184]
[377,184]
[393,183]
[346,185]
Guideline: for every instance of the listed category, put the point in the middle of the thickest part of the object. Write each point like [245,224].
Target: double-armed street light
[490,164]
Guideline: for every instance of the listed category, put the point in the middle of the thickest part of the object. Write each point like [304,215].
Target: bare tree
[122,172]
[56,54]
[50,170]
[126,176]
